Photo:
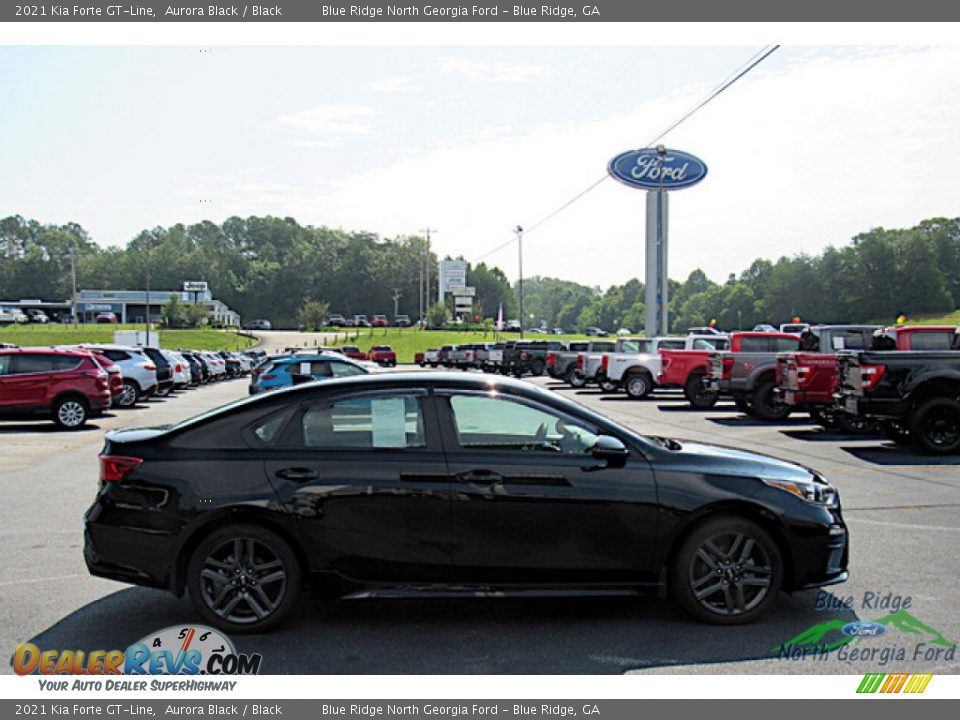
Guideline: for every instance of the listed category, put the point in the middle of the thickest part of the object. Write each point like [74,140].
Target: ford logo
[863,628]
[652,170]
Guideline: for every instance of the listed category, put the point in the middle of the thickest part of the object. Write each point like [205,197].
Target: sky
[812,147]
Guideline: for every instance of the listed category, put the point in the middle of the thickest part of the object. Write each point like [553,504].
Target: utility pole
[73,276]
[519,231]
[396,297]
[147,339]
[427,232]
[420,287]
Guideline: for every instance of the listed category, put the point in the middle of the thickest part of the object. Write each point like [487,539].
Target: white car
[11,315]
[182,377]
[139,372]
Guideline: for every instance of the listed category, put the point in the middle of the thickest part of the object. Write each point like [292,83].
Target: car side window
[370,423]
[754,344]
[6,364]
[267,430]
[316,368]
[116,355]
[342,369]
[503,424]
[28,363]
[931,341]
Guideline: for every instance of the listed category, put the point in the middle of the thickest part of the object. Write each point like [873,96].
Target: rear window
[781,344]
[754,344]
[672,344]
[382,348]
[931,340]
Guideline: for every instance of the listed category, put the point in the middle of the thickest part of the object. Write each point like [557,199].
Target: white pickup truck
[635,363]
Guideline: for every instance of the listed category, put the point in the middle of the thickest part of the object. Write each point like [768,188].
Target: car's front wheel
[70,413]
[638,385]
[935,426]
[243,578]
[698,394]
[130,394]
[728,571]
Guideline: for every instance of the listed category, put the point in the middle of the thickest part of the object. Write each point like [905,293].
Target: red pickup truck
[353,352]
[687,369]
[809,378]
[382,355]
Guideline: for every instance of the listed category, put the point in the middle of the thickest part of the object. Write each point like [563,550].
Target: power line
[757,58]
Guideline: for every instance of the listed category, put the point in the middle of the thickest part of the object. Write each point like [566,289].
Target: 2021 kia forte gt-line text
[437,480]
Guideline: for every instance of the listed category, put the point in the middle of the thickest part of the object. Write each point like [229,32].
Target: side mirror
[611,451]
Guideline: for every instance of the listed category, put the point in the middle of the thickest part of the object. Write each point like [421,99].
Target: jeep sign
[650,170]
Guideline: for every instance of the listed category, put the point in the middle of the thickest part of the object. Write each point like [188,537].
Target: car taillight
[114,468]
[870,375]
[804,374]
[149,366]
[178,368]
[524,356]
[728,367]
[605,362]
[579,362]
[551,359]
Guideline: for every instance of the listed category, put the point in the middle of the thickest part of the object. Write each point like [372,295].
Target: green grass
[947,319]
[408,341]
[202,339]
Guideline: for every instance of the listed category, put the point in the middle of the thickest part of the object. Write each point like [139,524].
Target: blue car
[293,369]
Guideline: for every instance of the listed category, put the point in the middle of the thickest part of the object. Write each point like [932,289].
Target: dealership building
[130,306]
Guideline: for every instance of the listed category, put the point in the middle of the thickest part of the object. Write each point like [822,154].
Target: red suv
[63,385]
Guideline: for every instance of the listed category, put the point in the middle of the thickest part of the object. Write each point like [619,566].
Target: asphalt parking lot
[901,509]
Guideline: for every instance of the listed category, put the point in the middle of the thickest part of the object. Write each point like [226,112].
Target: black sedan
[436,480]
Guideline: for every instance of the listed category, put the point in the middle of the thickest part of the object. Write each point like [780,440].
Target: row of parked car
[903,381]
[338,320]
[70,384]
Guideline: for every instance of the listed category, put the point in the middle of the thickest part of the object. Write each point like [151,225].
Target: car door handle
[481,477]
[297,474]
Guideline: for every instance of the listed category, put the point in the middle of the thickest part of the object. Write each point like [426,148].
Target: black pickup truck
[527,356]
[915,395]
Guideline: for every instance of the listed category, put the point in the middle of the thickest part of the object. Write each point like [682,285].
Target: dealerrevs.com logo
[176,650]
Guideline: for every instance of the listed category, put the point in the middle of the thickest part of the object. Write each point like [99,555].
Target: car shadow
[823,435]
[747,421]
[688,408]
[44,426]
[462,635]
[892,454]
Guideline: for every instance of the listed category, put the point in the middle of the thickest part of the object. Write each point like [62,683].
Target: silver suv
[139,372]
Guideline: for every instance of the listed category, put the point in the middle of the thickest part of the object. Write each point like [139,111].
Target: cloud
[492,71]
[393,85]
[332,120]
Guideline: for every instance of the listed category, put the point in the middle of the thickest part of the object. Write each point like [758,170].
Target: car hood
[723,460]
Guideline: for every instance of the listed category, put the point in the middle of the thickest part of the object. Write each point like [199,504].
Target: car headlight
[816,490]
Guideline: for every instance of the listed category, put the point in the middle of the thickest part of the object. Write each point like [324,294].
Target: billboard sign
[453,275]
[651,169]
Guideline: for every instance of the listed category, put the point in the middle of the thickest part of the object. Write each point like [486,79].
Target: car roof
[72,352]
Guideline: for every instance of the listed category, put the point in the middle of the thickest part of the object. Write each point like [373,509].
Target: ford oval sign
[657,170]
[863,628]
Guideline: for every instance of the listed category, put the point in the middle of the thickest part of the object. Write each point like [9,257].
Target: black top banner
[490,11]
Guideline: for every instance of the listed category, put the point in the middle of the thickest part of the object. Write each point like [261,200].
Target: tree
[313,314]
[173,314]
[438,315]
[197,314]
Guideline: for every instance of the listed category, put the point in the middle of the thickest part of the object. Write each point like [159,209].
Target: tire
[609,386]
[697,395]
[855,424]
[704,575]
[70,413]
[935,426]
[765,405]
[894,431]
[163,391]
[743,404]
[130,395]
[242,602]
[537,367]
[638,385]
[576,381]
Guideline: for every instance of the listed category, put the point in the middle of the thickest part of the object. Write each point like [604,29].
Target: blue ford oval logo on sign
[863,628]
[652,170]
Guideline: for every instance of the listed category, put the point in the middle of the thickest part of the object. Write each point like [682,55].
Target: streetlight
[519,231]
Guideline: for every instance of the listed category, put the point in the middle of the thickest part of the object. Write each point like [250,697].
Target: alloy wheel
[129,395]
[71,413]
[243,580]
[731,573]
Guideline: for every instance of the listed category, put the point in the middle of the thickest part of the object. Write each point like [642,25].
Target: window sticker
[389,422]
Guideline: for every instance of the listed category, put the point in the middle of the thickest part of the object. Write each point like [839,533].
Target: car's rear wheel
[935,426]
[70,413]
[638,385]
[537,367]
[765,404]
[609,386]
[130,394]
[697,393]
[243,578]
[728,571]
[575,380]
[164,390]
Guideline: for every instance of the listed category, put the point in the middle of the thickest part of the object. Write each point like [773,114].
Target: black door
[366,475]
[530,504]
